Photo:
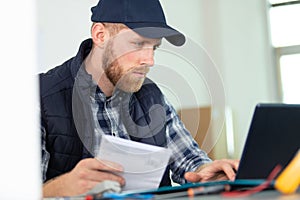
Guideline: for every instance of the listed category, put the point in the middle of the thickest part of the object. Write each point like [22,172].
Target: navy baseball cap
[145,17]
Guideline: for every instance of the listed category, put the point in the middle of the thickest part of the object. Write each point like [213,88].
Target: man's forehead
[130,34]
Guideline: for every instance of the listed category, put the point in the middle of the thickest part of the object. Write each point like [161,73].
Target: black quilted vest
[62,139]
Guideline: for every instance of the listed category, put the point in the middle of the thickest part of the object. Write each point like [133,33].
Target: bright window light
[290,70]
[284,22]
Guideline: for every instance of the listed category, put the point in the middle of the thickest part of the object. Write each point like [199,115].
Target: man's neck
[93,64]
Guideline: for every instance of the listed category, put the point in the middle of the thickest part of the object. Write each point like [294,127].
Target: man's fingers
[196,177]
[228,170]
[192,177]
[233,163]
[106,165]
[98,170]
[216,170]
[228,167]
[98,176]
[103,165]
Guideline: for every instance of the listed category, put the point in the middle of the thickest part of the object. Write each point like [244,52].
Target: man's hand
[217,170]
[85,175]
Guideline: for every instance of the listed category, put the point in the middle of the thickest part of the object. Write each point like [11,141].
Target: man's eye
[139,44]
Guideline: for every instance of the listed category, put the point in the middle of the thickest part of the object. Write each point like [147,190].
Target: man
[104,90]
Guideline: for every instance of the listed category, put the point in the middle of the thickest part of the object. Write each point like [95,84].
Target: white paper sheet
[143,164]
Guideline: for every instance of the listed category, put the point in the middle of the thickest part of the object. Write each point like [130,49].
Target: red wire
[256,189]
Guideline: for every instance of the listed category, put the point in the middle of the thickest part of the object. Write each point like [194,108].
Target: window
[285,34]
[290,71]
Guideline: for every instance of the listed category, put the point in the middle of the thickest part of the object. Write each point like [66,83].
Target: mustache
[142,69]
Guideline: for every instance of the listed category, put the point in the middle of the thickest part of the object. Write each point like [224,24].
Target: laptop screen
[273,138]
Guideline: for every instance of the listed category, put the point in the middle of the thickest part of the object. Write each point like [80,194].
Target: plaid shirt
[186,155]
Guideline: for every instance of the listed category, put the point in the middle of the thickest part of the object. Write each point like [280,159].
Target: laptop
[273,138]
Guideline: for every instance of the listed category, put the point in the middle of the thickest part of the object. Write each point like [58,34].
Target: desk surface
[269,194]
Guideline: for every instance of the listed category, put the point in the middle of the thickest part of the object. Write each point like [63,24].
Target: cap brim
[157,30]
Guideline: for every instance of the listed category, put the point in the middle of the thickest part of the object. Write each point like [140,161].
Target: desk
[269,194]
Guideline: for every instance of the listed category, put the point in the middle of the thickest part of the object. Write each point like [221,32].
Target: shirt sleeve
[45,154]
[186,154]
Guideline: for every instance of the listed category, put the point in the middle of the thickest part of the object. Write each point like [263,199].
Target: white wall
[246,60]
[233,33]
[20,176]
[62,25]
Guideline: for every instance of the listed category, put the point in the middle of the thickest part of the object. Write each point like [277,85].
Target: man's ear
[99,34]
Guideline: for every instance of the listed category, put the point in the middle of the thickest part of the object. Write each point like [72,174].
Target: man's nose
[147,56]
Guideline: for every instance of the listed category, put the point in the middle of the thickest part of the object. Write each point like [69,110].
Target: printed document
[143,164]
